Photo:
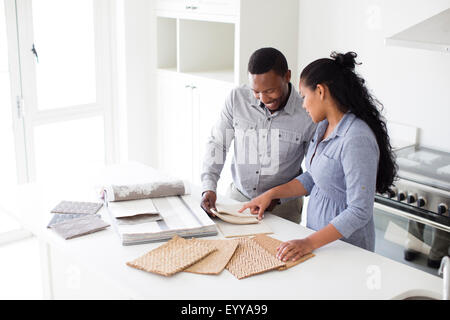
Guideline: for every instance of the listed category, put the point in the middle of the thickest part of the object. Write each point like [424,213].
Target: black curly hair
[351,94]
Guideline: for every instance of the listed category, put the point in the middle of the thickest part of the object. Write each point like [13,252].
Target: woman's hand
[258,205]
[294,249]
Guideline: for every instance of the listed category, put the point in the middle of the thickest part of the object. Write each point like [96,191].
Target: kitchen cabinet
[189,107]
[202,54]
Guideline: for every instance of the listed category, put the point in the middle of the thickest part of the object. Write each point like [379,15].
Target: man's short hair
[265,59]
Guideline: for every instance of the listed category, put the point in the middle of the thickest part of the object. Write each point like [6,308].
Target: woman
[348,160]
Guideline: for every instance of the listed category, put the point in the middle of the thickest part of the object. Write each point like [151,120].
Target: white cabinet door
[188,109]
[209,99]
[175,125]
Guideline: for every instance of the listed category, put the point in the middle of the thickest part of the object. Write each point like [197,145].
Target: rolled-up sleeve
[359,160]
[307,181]
[217,147]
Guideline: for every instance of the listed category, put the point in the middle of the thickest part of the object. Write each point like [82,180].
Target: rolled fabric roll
[146,190]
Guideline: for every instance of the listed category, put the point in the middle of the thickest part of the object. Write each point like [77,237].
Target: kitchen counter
[338,271]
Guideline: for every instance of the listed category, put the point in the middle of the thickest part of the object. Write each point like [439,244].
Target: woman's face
[313,102]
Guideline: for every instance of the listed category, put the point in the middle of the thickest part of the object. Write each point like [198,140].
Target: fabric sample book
[179,215]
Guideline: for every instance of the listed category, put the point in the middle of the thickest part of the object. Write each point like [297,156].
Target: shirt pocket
[330,171]
[290,143]
[245,140]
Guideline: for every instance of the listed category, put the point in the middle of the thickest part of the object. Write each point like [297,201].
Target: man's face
[270,88]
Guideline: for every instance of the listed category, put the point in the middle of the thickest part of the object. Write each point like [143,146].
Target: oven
[412,220]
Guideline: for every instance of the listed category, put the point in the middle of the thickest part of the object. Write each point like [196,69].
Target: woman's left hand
[294,249]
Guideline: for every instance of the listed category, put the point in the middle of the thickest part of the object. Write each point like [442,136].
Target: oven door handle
[409,216]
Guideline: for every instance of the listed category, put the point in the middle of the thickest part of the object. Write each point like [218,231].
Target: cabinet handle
[194,8]
[193,87]
[188,86]
[188,7]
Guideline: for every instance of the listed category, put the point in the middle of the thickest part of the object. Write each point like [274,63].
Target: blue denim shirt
[341,180]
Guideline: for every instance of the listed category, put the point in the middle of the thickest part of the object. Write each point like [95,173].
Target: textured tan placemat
[174,256]
[250,259]
[271,245]
[216,261]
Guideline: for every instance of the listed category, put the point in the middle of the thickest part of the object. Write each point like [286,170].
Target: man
[271,133]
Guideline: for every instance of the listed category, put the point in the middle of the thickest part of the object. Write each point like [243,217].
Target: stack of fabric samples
[74,219]
[243,257]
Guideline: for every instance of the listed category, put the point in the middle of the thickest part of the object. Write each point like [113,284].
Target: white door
[65,86]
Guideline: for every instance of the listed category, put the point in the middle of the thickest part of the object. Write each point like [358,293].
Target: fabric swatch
[79,226]
[230,230]
[216,261]
[72,207]
[174,256]
[251,259]
[235,219]
[271,245]
[138,219]
[57,217]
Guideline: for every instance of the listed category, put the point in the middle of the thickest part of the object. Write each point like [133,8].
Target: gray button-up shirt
[268,148]
[341,180]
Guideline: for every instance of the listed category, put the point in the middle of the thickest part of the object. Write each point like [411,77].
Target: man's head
[269,77]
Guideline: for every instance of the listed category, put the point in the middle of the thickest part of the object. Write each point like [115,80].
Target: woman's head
[334,82]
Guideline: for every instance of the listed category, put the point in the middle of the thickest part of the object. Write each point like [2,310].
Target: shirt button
[268,119]
[257,172]
[254,189]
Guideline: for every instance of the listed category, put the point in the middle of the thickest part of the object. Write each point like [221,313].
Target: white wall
[413,84]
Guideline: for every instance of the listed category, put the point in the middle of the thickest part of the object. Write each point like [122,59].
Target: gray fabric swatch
[77,207]
[79,226]
[57,217]
[140,218]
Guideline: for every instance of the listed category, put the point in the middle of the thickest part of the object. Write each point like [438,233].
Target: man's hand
[209,202]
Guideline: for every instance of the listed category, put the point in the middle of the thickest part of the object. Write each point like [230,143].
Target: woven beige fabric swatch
[250,259]
[230,230]
[174,256]
[271,245]
[230,218]
[216,261]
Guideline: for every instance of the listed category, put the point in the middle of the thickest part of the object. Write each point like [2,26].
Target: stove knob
[442,208]
[401,196]
[390,193]
[421,202]
[411,198]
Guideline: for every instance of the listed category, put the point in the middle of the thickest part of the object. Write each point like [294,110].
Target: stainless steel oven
[412,220]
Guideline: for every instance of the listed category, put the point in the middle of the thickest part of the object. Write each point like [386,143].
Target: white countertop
[338,271]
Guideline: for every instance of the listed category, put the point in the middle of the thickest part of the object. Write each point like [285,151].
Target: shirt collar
[288,107]
[340,130]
